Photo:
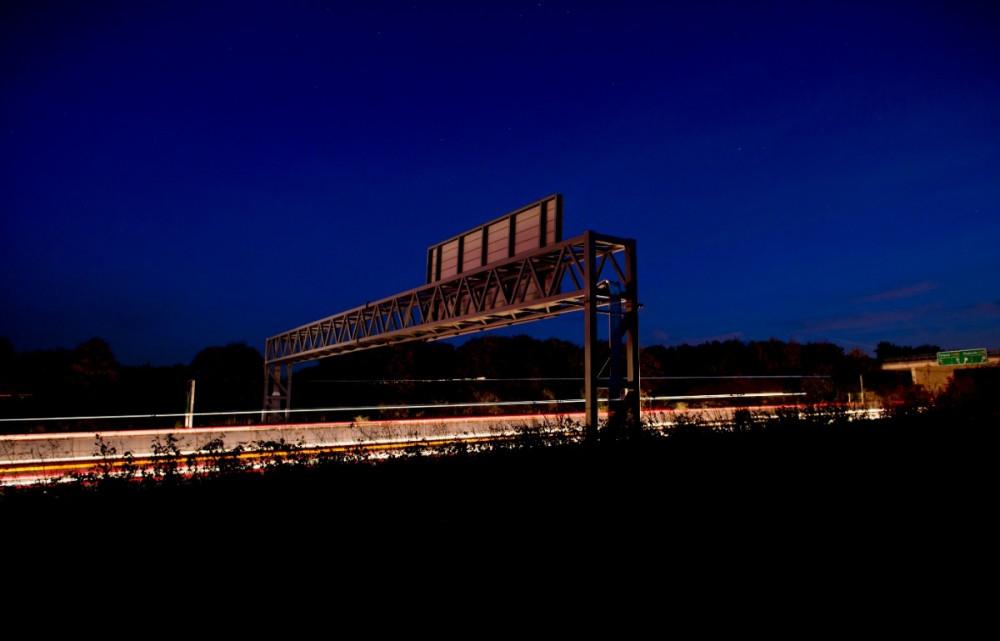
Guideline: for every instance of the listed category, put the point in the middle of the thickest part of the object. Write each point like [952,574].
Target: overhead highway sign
[962,357]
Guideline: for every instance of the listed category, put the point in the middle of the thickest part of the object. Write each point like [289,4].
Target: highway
[33,458]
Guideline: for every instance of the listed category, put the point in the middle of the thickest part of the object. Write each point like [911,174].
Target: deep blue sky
[176,175]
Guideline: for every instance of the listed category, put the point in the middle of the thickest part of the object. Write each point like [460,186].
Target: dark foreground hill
[886,523]
[917,480]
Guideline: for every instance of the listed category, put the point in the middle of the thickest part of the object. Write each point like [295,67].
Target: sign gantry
[514,269]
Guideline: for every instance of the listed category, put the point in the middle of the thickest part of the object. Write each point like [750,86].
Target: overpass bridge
[928,370]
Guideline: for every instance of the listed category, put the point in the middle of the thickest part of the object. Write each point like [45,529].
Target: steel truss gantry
[593,273]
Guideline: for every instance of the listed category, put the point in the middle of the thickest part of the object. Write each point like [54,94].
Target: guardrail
[914,358]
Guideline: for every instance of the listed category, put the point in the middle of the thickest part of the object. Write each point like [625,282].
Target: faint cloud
[901,292]
[731,336]
[864,320]
[663,337]
[984,309]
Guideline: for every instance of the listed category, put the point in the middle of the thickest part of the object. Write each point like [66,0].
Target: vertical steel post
[615,333]
[591,368]
[277,390]
[631,322]
[288,390]
[266,405]
[617,415]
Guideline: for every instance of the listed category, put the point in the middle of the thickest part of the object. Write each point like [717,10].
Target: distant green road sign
[962,357]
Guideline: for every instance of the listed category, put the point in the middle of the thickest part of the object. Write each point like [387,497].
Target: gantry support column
[277,391]
[616,385]
[622,306]
[590,368]
[630,322]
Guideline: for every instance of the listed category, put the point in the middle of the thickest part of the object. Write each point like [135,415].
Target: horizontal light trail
[397,381]
[369,408]
[537,379]
[314,409]
[280,427]
[696,378]
[748,394]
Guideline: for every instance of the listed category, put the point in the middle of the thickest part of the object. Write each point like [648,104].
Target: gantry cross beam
[562,277]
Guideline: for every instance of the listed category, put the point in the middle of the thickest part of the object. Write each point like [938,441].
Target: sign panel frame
[529,228]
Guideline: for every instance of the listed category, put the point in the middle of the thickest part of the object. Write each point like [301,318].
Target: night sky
[177,175]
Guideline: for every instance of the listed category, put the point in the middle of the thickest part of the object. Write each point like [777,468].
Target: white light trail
[308,409]
[747,395]
[370,408]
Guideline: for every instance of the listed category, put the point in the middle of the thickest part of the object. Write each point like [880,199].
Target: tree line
[88,380]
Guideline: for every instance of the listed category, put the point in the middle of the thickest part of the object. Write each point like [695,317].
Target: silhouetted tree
[153,390]
[6,366]
[886,350]
[228,378]
[94,367]
[525,366]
